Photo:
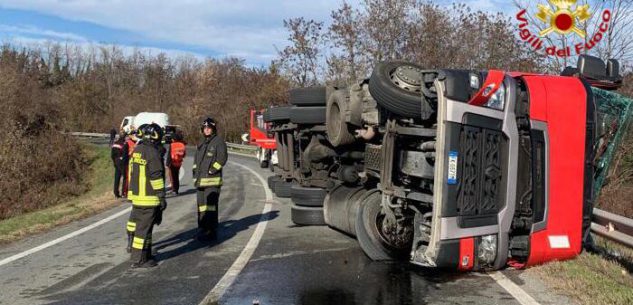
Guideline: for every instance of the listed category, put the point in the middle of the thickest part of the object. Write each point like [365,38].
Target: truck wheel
[311,96]
[307,115]
[307,196]
[272,180]
[282,189]
[369,231]
[278,114]
[338,131]
[307,216]
[397,86]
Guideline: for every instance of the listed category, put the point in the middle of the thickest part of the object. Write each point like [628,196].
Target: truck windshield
[614,115]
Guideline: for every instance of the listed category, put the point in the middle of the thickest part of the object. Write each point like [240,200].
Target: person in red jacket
[130,149]
[175,157]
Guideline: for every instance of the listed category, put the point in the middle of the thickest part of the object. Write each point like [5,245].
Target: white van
[162,119]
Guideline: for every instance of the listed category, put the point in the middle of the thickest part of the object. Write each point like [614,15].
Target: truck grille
[479,193]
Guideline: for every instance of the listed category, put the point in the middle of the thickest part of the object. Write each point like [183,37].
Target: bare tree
[344,35]
[301,59]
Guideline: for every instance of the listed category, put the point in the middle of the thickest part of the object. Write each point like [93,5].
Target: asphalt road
[282,263]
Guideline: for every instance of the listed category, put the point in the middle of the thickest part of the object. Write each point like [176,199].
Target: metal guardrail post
[612,226]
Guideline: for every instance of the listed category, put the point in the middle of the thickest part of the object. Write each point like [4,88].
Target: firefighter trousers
[120,174]
[139,228]
[208,199]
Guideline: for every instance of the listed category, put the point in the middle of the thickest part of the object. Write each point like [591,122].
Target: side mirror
[592,67]
[613,69]
[598,74]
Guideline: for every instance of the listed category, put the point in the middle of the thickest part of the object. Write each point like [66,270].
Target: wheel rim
[408,78]
[395,243]
[391,241]
[335,112]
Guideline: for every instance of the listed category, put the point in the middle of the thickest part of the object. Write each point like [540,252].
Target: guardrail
[246,148]
[613,227]
[249,148]
[89,134]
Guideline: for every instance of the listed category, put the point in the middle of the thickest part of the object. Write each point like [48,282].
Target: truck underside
[445,168]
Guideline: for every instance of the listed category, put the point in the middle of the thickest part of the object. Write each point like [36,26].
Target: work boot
[207,235]
[150,263]
[147,260]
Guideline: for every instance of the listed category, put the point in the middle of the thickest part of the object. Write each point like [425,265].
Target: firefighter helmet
[208,122]
[153,132]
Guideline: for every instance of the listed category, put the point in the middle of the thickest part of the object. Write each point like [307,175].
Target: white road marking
[519,294]
[63,238]
[238,265]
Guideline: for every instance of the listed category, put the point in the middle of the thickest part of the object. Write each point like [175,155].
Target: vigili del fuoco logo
[562,17]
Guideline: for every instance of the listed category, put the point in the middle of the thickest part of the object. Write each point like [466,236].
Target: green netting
[614,115]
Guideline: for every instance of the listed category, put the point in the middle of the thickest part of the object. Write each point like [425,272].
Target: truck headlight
[498,99]
[487,250]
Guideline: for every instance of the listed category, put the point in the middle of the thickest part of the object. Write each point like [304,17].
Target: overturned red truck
[458,169]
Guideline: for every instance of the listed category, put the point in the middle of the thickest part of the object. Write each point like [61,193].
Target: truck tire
[307,115]
[307,216]
[338,132]
[278,114]
[272,180]
[282,189]
[311,96]
[368,232]
[397,86]
[307,196]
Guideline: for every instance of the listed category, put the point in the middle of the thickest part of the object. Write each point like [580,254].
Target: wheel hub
[408,78]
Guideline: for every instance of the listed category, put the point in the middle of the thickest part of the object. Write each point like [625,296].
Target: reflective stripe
[217,165]
[206,208]
[131,226]
[146,201]
[157,184]
[137,243]
[216,181]
[142,181]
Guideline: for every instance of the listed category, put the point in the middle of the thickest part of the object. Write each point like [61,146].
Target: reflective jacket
[177,153]
[146,172]
[210,158]
[130,145]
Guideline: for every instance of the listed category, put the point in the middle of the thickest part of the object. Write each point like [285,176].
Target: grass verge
[603,278]
[98,198]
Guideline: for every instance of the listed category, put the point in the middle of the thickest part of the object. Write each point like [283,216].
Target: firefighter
[119,155]
[147,192]
[175,157]
[211,156]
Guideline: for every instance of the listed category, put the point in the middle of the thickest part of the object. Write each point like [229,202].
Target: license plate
[452,167]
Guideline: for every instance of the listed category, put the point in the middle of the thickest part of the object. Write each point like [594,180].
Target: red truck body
[258,132]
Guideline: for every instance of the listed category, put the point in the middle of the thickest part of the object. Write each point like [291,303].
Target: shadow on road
[227,230]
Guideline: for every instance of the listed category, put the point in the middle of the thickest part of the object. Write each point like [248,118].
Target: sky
[249,29]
